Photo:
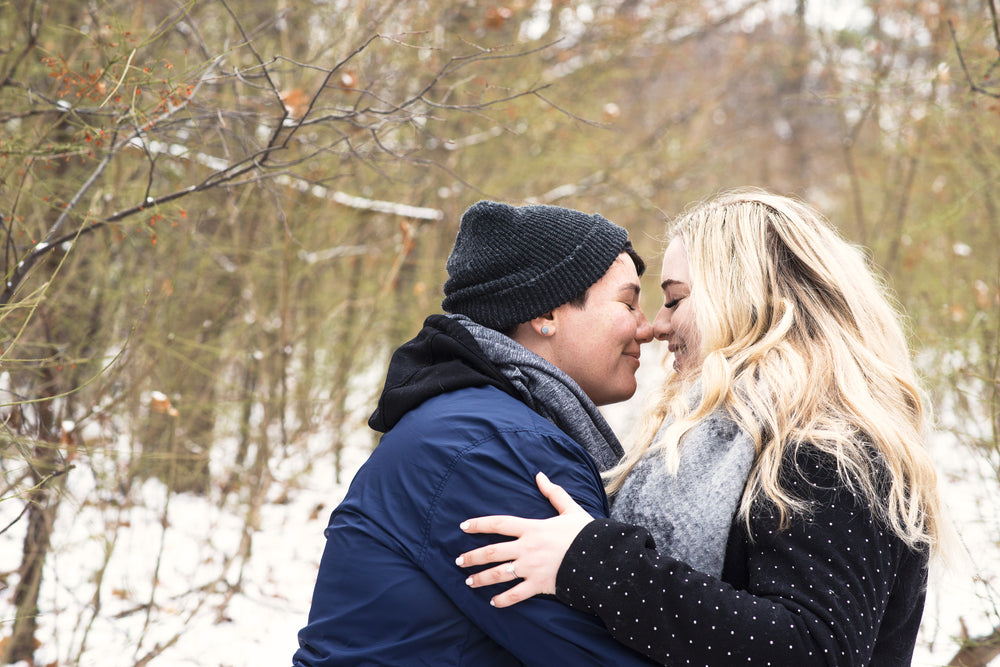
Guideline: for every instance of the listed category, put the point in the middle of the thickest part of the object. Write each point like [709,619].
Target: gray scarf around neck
[549,392]
[689,514]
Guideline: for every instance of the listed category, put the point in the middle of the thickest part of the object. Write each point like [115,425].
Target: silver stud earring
[545,331]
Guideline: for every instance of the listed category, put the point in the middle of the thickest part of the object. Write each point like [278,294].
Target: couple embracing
[778,507]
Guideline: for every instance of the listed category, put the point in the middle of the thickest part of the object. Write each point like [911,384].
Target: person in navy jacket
[543,326]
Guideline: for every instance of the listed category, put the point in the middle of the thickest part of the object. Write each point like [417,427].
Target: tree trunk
[43,503]
[978,651]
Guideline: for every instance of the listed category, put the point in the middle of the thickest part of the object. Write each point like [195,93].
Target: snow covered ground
[257,625]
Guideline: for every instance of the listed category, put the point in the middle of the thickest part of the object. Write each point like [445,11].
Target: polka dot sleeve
[834,588]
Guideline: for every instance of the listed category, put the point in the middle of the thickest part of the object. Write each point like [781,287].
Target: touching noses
[661,324]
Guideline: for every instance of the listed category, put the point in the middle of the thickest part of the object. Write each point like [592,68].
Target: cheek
[627,326]
[683,321]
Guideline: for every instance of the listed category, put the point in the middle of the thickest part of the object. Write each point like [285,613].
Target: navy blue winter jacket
[457,445]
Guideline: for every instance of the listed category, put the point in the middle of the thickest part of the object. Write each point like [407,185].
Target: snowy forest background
[218,217]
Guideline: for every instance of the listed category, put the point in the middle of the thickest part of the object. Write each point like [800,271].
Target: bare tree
[982,374]
[176,133]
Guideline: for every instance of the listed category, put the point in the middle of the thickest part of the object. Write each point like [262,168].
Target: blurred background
[219,217]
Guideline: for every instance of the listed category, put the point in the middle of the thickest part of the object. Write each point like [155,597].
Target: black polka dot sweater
[834,588]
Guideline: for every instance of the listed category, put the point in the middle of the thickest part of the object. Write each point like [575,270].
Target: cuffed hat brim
[511,264]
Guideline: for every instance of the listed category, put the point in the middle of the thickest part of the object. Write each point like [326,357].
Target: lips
[678,350]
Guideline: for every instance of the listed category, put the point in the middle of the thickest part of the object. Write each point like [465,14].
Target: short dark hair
[580,300]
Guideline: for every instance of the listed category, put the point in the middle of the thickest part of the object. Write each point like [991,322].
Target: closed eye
[671,304]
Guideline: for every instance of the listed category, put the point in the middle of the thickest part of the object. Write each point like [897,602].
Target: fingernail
[492,603]
[459,560]
[543,476]
[468,582]
[464,525]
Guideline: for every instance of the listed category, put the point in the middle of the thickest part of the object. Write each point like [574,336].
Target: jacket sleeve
[498,478]
[816,594]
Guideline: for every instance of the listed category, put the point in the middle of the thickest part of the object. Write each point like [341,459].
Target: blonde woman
[780,507]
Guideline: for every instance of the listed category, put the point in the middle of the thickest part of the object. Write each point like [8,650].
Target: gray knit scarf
[689,513]
[549,392]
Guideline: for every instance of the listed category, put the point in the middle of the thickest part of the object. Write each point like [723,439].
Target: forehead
[621,269]
[675,263]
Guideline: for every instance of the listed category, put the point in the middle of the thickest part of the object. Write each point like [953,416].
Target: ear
[544,325]
[535,333]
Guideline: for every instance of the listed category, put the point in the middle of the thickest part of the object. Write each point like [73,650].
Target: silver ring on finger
[510,569]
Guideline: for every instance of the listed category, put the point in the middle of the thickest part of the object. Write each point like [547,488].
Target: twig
[121,79]
[27,505]
[973,86]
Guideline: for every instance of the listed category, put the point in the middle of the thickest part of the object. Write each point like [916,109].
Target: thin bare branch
[973,86]
[33,26]
[41,484]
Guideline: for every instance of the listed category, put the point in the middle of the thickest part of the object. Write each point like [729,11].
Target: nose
[644,330]
[661,325]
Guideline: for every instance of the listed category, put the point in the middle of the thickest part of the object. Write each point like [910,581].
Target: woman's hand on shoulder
[535,556]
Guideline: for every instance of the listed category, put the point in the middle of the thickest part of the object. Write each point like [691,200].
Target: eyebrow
[670,281]
[630,287]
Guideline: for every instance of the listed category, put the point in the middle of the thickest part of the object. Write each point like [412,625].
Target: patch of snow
[211,624]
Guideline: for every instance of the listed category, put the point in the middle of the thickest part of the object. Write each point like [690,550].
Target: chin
[611,399]
[623,395]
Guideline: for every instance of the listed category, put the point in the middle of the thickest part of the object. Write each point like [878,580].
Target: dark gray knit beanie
[511,264]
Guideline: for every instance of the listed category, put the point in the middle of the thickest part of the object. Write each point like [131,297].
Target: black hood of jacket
[443,357]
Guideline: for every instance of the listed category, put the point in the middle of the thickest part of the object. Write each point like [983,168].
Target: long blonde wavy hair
[801,346]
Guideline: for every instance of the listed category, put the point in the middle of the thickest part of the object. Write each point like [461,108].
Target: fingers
[515,594]
[531,560]
[555,494]
[511,526]
[500,574]
[491,553]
